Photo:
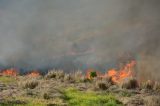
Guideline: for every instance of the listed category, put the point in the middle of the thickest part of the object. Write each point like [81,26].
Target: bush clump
[74,77]
[69,78]
[147,85]
[31,84]
[93,74]
[58,74]
[102,85]
[130,83]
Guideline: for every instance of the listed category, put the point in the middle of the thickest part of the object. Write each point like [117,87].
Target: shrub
[130,83]
[50,74]
[147,85]
[69,77]
[74,77]
[58,74]
[102,85]
[93,74]
[31,84]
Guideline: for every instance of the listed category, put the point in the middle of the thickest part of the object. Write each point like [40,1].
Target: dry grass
[30,83]
[130,83]
[52,90]
[147,85]
[102,85]
[74,77]
[57,74]
[152,100]
[156,86]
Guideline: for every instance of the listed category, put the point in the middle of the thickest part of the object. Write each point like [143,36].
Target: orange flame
[125,72]
[34,74]
[10,72]
[117,75]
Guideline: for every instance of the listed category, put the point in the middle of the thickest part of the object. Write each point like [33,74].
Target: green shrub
[93,74]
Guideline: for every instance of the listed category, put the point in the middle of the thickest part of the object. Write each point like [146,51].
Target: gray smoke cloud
[73,34]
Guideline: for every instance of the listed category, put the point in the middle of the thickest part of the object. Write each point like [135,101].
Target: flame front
[125,72]
[10,72]
[116,75]
[34,74]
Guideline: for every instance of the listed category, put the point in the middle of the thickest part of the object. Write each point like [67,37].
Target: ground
[71,91]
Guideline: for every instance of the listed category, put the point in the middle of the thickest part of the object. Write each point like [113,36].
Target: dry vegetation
[72,89]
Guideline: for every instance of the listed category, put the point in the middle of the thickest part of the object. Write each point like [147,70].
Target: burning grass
[9,72]
[119,75]
[114,88]
[34,74]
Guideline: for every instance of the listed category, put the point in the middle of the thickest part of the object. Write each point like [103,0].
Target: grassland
[7,79]
[60,89]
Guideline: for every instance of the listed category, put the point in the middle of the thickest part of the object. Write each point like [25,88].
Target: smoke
[72,34]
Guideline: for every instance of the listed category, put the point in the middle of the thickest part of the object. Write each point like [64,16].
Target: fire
[112,72]
[34,74]
[10,72]
[125,72]
[116,75]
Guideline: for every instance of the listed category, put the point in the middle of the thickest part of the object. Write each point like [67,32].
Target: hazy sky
[73,34]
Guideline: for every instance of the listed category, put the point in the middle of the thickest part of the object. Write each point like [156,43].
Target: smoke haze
[72,34]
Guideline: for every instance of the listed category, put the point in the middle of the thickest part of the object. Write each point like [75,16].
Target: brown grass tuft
[152,100]
[147,85]
[58,74]
[102,85]
[130,83]
[30,83]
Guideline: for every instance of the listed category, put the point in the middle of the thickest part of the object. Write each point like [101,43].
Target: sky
[78,34]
